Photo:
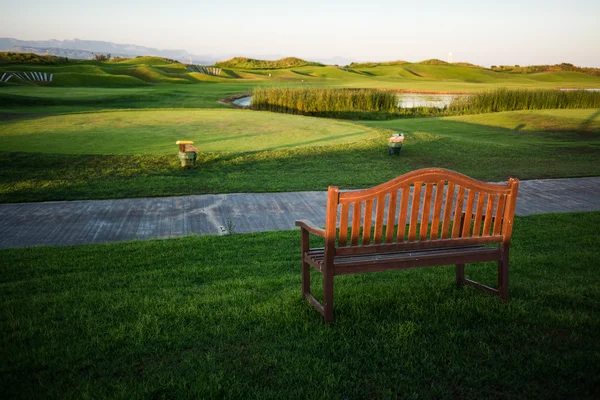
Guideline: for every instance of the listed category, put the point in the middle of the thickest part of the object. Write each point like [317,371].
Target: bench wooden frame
[428,201]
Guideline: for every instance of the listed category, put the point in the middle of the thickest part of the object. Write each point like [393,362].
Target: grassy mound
[376,64]
[433,61]
[30,58]
[148,60]
[251,63]
[531,69]
[222,317]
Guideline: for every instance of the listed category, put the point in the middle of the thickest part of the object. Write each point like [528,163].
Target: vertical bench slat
[437,208]
[447,211]
[426,212]
[460,199]
[402,214]
[499,214]
[389,232]
[343,238]
[366,237]
[478,215]
[356,210]
[379,219]
[488,214]
[414,212]
[466,228]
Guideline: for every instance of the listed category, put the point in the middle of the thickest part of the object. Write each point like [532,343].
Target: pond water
[588,89]
[407,100]
[243,102]
[414,100]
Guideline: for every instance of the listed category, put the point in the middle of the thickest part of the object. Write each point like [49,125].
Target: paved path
[98,221]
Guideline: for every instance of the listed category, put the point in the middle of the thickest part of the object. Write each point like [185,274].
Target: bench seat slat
[429,244]
[403,259]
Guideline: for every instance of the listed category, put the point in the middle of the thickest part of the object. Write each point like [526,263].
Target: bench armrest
[312,228]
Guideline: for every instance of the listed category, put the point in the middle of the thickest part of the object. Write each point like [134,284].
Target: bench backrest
[427,207]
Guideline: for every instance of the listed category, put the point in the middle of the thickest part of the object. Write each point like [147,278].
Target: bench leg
[503,276]
[328,295]
[460,274]
[305,265]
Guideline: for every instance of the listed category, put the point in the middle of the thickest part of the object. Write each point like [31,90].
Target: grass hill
[30,58]
[428,76]
[532,69]
[251,63]
[433,61]
[376,64]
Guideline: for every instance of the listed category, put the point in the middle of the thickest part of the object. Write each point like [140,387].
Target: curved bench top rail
[428,176]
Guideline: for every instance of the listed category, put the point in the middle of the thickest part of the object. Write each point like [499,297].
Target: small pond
[587,90]
[406,100]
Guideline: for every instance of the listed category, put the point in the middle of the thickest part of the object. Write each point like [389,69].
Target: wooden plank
[367,221]
[481,286]
[379,219]
[328,268]
[489,210]
[466,228]
[499,214]
[389,232]
[426,211]
[414,254]
[428,244]
[460,197]
[509,211]
[402,213]
[479,215]
[356,211]
[343,235]
[437,209]
[315,303]
[447,211]
[414,215]
[417,263]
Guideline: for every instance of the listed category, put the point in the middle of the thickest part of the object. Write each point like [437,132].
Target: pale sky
[483,32]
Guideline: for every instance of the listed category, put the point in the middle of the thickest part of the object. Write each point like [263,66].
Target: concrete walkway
[99,221]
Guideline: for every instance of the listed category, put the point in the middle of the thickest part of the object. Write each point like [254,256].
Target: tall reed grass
[324,101]
[378,104]
[512,100]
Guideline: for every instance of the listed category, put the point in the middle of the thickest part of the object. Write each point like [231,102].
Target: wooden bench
[424,218]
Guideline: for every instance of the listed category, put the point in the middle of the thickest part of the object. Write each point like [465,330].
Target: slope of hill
[30,58]
[430,76]
[251,63]
[532,69]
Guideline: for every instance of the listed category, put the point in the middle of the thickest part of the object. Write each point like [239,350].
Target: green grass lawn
[46,100]
[206,317]
[526,144]
[156,131]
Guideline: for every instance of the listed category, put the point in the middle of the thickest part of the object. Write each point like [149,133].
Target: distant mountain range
[86,49]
